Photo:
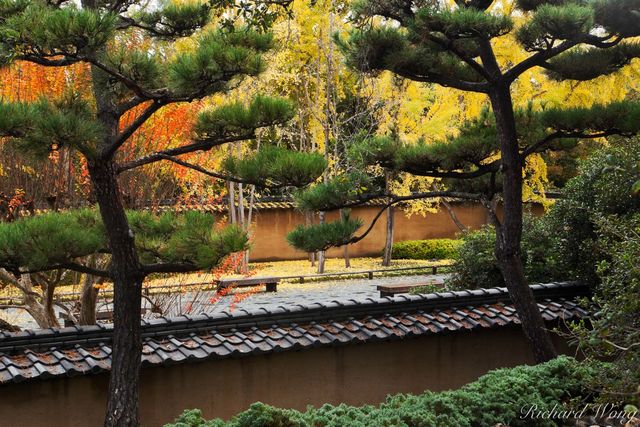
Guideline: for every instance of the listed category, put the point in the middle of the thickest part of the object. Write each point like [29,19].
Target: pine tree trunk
[388,244]
[509,233]
[127,275]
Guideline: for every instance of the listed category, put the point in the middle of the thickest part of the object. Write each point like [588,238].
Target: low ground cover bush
[426,249]
[497,397]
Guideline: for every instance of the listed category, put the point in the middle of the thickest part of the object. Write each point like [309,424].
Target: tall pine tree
[60,33]
[453,44]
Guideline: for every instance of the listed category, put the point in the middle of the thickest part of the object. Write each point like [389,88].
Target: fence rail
[212,285]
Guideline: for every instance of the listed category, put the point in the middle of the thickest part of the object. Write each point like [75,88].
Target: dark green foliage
[602,189]
[49,31]
[11,7]
[145,68]
[614,333]
[460,23]
[337,192]
[272,166]
[426,45]
[15,118]
[623,116]
[477,267]
[238,119]
[44,240]
[551,22]
[619,16]
[389,49]
[176,19]
[564,243]
[426,249]
[589,63]
[68,121]
[189,238]
[320,237]
[218,57]
[495,398]
[377,150]
[44,125]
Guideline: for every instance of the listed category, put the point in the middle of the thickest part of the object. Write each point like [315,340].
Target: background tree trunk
[347,258]
[321,253]
[88,301]
[388,244]
[509,233]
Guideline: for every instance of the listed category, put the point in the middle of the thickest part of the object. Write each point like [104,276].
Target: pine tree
[453,45]
[62,33]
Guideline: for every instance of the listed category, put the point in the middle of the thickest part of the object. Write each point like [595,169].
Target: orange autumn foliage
[169,127]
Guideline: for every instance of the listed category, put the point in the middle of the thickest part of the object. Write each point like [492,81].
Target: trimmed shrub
[426,249]
[477,267]
[476,264]
[497,397]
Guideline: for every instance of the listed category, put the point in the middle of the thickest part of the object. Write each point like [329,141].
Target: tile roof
[49,353]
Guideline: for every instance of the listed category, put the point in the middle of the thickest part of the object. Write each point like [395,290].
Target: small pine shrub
[426,249]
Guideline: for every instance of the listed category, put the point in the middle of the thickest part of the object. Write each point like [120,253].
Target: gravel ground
[298,293]
[288,294]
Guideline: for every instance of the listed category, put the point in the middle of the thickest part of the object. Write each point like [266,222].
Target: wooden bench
[404,288]
[271,283]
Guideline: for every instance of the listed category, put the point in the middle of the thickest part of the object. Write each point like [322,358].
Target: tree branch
[481,87]
[539,59]
[448,45]
[539,145]
[71,266]
[46,62]
[417,196]
[482,170]
[206,171]
[204,145]
[123,136]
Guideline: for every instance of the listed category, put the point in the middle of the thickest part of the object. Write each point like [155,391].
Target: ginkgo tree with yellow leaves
[456,45]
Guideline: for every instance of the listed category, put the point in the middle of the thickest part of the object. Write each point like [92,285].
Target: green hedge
[497,397]
[426,249]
